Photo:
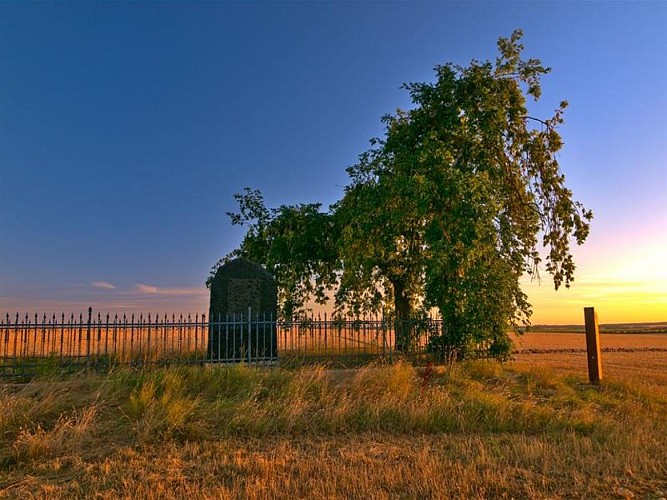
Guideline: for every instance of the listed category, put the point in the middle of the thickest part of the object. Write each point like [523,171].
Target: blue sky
[126,128]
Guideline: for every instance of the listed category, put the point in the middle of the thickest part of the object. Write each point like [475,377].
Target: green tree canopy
[451,203]
[460,198]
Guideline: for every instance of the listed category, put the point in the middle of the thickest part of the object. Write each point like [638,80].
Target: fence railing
[30,344]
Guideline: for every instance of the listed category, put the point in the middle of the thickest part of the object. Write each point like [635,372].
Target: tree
[445,211]
[296,243]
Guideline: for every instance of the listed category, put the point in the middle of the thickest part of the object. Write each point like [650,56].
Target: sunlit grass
[478,430]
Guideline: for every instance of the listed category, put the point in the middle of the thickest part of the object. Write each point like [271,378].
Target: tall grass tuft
[67,435]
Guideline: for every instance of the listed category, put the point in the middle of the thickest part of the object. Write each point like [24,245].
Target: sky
[126,128]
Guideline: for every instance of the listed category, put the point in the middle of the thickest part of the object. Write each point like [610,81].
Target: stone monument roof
[242,266]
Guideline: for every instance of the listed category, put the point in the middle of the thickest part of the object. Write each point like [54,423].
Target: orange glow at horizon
[615,302]
[626,284]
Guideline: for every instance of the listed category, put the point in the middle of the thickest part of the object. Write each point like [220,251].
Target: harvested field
[541,341]
[640,358]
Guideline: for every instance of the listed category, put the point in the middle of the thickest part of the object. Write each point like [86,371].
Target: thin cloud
[103,285]
[148,289]
[144,289]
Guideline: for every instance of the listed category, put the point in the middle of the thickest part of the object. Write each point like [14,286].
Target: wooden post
[593,345]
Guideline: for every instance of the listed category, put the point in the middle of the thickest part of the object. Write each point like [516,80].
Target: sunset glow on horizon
[626,282]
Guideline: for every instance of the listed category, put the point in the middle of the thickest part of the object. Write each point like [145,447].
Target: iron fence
[30,344]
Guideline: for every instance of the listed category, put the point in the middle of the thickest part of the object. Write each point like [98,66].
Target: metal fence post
[90,319]
[307,340]
[249,335]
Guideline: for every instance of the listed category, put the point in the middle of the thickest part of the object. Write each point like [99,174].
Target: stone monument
[242,313]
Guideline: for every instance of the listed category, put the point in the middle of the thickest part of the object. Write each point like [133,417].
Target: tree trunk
[402,309]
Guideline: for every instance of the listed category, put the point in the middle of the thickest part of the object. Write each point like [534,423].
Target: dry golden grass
[532,428]
[368,466]
[628,358]
[548,340]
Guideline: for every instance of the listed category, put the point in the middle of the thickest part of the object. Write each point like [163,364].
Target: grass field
[532,428]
